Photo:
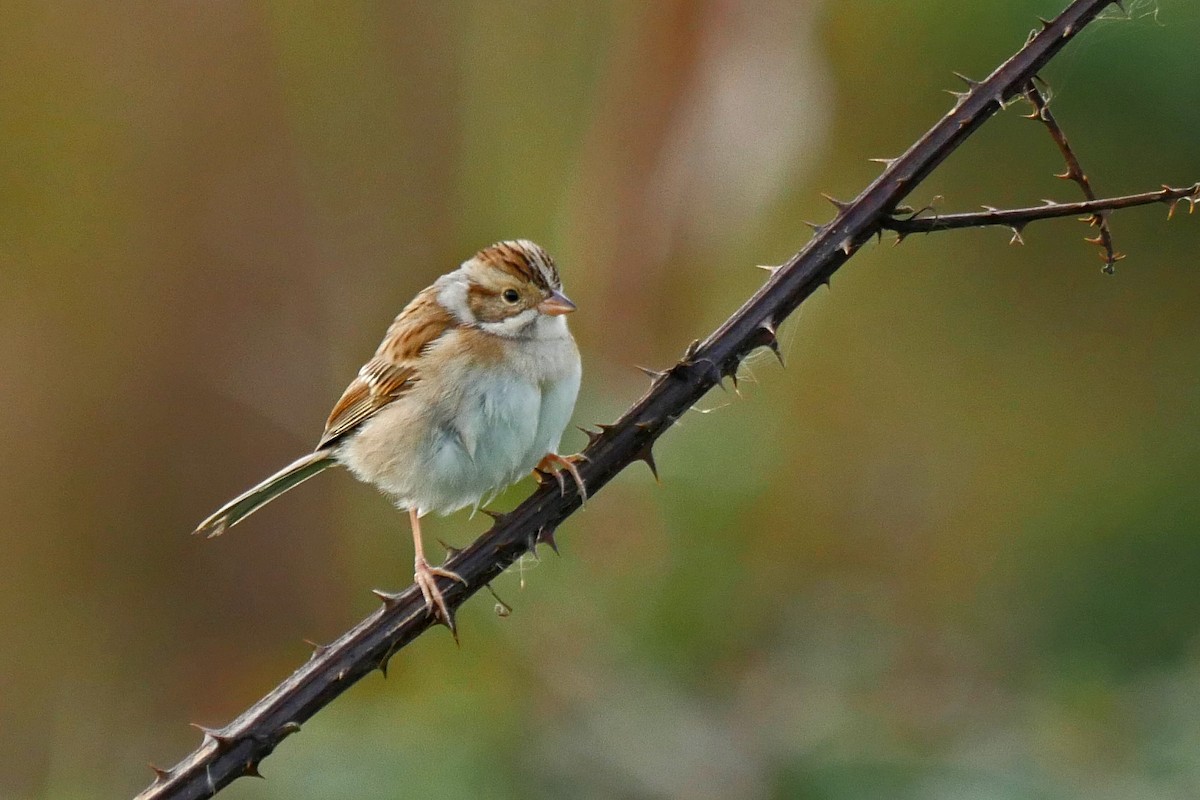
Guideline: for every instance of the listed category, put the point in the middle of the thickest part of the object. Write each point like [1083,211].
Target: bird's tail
[253,499]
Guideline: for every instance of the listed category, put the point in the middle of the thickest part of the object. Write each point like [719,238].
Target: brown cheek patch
[486,305]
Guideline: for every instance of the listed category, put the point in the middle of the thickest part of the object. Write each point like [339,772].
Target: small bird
[469,390]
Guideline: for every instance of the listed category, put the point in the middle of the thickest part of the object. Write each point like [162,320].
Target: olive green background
[950,551]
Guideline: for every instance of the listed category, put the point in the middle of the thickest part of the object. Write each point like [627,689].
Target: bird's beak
[557,303]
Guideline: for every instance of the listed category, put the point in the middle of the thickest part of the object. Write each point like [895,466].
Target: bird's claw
[424,575]
[555,465]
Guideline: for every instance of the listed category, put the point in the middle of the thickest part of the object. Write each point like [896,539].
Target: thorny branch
[1074,172]
[1018,218]
[237,748]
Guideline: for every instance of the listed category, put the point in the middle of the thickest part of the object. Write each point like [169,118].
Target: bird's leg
[424,575]
[556,465]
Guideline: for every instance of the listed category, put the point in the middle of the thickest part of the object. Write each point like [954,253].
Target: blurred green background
[950,551]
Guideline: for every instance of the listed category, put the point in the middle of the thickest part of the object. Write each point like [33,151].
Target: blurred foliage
[950,551]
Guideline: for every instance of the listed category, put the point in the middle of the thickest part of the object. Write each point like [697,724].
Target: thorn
[251,771]
[390,599]
[451,550]
[160,774]
[318,650]
[647,454]
[766,267]
[900,237]
[287,729]
[999,100]
[498,517]
[1045,23]
[654,374]
[847,246]
[689,353]
[1068,175]
[887,162]
[840,205]
[991,209]
[779,354]
[816,229]
[1096,240]
[1049,203]
[1016,237]
[545,535]
[383,664]
[770,338]
[958,96]
[592,435]
[450,623]
[731,372]
[971,84]
[222,740]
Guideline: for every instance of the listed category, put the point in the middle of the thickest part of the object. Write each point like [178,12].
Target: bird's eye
[511,296]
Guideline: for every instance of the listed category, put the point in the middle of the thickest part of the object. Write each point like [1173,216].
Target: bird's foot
[552,464]
[424,575]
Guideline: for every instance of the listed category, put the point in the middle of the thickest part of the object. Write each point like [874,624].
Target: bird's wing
[378,383]
[395,367]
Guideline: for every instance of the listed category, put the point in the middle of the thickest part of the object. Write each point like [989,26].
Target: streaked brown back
[393,370]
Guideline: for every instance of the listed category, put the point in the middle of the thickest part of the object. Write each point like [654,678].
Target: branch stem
[1074,171]
[1019,217]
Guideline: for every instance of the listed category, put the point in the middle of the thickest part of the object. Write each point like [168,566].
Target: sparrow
[469,390]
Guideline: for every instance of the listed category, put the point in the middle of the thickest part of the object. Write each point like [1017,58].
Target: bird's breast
[477,419]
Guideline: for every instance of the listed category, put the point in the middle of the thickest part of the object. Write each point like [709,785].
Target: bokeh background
[952,550]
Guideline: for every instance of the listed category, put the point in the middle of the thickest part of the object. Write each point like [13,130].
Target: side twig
[1018,218]
[1074,172]
[237,748]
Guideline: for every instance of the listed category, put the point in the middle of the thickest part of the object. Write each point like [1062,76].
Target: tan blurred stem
[236,749]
